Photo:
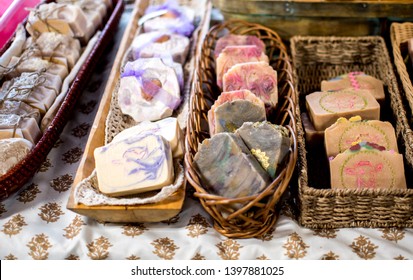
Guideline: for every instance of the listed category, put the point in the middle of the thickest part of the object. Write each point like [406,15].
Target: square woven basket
[259,212]
[320,58]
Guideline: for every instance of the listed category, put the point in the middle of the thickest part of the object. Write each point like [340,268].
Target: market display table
[35,223]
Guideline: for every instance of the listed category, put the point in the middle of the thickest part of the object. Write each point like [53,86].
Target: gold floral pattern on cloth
[35,224]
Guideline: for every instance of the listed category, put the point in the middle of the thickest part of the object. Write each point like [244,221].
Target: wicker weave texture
[21,173]
[321,58]
[259,213]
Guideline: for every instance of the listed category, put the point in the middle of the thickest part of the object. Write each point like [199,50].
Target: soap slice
[237,40]
[324,108]
[134,165]
[232,55]
[168,128]
[345,133]
[269,143]
[228,169]
[149,90]
[367,166]
[258,77]
[227,97]
[357,81]
[158,44]
[12,151]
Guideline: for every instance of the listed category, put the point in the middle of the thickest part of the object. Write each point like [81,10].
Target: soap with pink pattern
[258,77]
[232,55]
[237,40]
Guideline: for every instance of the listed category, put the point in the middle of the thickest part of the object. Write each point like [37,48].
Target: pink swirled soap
[237,40]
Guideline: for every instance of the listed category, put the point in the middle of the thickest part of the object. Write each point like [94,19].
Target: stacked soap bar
[367,166]
[37,68]
[140,158]
[152,80]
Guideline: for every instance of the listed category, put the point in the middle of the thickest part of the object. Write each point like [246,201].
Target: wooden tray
[25,170]
[154,212]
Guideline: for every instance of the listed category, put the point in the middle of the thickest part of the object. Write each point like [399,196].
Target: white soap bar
[12,151]
[134,165]
[149,90]
[168,128]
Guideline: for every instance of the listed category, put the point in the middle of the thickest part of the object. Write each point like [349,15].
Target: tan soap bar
[345,133]
[325,107]
[312,136]
[367,166]
[357,81]
[56,66]
[19,108]
[14,126]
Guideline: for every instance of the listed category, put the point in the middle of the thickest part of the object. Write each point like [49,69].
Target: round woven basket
[259,212]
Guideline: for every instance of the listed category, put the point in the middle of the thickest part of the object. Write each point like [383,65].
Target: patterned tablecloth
[35,224]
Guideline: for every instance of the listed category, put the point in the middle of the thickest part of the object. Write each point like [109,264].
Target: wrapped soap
[66,19]
[134,165]
[52,44]
[12,151]
[94,10]
[19,108]
[367,166]
[258,77]
[232,55]
[161,43]
[170,17]
[54,66]
[324,108]
[268,143]
[227,168]
[344,133]
[237,40]
[149,90]
[168,128]
[14,126]
[230,116]
[356,81]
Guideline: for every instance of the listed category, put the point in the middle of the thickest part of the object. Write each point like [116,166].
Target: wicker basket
[319,58]
[21,173]
[399,34]
[259,213]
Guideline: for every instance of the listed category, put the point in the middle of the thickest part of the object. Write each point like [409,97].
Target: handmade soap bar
[134,165]
[168,128]
[227,168]
[67,19]
[228,97]
[19,108]
[313,137]
[158,44]
[356,80]
[232,55]
[344,133]
[269,143]
[324,108]
[410,50]
[33,64]
[237,40]
[258,77]
[12,151]
[366,165]
[170,17]
[14,126]
[94,10]
[52,44]
[149,90]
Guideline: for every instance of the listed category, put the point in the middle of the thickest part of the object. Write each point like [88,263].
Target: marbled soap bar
[325,107]
[345,133]
[168,128]
[149,90]
[258,77]
[229,97]
[12,151]
[227,168]
[134,165]
[237,40]
[232,55]
[357,81]
[158,44]
[269,143]
[367,166]
[14,126]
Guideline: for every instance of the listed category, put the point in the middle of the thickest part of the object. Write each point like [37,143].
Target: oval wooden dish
[107,124]
[21,173]
[259,212]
